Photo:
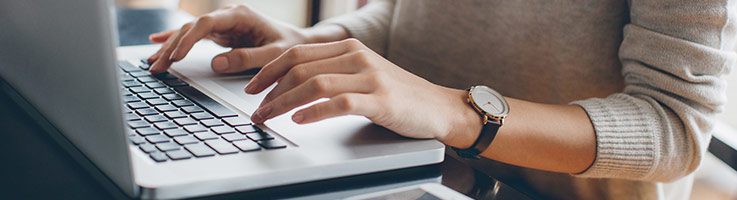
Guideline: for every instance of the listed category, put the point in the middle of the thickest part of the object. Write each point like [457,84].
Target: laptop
[182,134]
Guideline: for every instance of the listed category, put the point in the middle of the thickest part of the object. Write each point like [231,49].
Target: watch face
[489,101]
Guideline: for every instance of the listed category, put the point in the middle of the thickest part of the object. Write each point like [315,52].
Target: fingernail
[220,64]
[261,114]
[250,88]
[298,117]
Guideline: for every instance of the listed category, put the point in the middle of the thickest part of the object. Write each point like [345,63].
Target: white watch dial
[489,101]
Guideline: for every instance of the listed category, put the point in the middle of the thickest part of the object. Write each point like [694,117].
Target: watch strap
[487,135]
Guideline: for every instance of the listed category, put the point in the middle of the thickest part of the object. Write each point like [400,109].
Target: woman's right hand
[255,40]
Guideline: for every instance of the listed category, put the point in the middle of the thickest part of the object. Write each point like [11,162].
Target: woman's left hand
[359,82]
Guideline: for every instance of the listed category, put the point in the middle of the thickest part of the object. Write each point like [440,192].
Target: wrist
[324,33]
[465,122]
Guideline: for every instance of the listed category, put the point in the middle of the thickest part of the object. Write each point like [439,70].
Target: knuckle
[345,103]
[296,51]
[299,73]
[353,43]
[362,57]
[375,79]
[205,19]
[243,7]
[321,84]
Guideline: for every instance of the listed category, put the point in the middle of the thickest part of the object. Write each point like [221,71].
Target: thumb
[242,59]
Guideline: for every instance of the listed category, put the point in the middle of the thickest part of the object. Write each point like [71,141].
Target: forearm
[557,138]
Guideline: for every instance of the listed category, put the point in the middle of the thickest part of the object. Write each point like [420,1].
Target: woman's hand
[359,82]
[255,40]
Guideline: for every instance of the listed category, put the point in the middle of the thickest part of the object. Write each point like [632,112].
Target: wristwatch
[493,108]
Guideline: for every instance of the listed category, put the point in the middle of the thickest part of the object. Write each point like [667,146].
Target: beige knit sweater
[648,72]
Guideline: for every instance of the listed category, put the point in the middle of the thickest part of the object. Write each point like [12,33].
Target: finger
[161,50]
[326,85]
[343,104]
[300,73]
[204,26]
[161,37]
[296,55]
[163,62]
[242,59]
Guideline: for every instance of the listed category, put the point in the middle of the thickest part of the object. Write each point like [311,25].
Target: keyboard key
[185,121]
[247,145]
[172,97]
[199,150]
[146,79]
[272,144]
[182,103]
[195,128]
[155,85]
[136,139]
[175,132]
[212,122]
[237,121]
[157,101]
[157,138]
[148,95]
[131,83]
[163,91]
[206,102]
[166,125]
[175,83]
[140,90]
[147,148]
[144,65]
[178,154]
[222,130]
[131,117]
[230,137]
[166,108]
[137,105]
[202,116]
[169,146]
[247,129]
[165,76]
[222,147]
[206,136]
[188,139]
[126,77]
[138,124]
[130,99]
[147,131]
[128,67]
[156,118]
[159,157]
[192,109]
[175,114]
[146,111]
[139,74]
[257,136]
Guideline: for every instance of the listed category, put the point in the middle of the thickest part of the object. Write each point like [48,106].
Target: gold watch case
[489,103]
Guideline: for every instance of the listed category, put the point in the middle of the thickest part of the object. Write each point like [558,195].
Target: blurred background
[714,179]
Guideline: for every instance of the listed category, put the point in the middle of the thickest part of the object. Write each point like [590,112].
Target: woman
[606,99]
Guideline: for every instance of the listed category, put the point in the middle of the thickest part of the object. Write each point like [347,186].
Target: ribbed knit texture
[647,72]
[626,138]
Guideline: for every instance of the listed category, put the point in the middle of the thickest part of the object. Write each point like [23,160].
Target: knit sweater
[649,73]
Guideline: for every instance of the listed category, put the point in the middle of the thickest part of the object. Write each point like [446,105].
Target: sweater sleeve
[369,24]
[674,57]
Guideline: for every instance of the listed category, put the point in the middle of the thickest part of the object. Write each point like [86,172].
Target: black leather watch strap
[487,135]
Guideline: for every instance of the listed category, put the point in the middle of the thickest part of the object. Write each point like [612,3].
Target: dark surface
[35,166]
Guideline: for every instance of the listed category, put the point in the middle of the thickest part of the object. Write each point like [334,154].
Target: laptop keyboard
[171,120]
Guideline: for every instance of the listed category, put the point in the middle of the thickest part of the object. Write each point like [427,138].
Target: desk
[35,167]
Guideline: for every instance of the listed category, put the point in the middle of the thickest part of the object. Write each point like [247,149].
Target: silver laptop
[182,134]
